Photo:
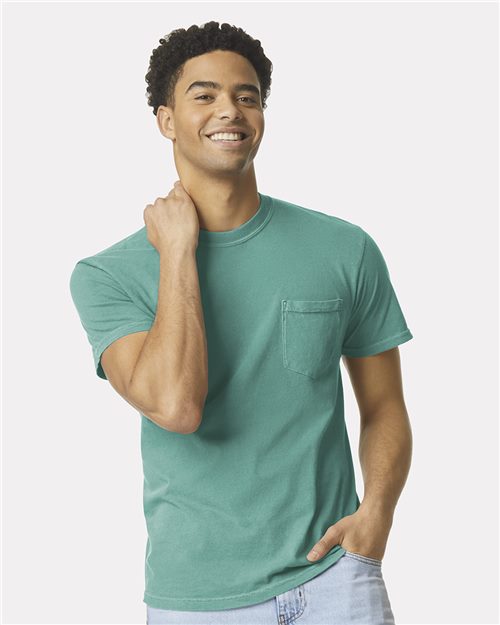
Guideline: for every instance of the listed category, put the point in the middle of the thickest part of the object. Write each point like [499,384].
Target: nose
[227,108]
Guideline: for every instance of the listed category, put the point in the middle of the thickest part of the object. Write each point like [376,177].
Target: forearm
[172,368]
[385,449]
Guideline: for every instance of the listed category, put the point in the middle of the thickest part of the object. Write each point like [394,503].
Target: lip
[231,129]
[228,144]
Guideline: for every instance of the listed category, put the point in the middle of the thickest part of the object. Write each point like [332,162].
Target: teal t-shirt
[233,509]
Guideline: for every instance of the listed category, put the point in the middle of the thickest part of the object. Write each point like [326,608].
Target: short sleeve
[105,309]
[376,322]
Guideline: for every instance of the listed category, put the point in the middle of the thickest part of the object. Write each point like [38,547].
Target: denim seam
[302,596]
[366,559]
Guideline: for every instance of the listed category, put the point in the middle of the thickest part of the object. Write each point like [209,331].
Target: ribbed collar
[244,231]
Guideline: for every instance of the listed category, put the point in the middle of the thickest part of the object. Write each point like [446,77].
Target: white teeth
[226,136]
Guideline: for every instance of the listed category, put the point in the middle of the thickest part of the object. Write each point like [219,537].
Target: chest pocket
[310,334]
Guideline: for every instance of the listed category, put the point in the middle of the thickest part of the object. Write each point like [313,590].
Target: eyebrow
[210,84]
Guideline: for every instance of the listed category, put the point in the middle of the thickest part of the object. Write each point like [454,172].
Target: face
[231,101]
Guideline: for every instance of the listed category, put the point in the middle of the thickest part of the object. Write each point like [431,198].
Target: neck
[222,203]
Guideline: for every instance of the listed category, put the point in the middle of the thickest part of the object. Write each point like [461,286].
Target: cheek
[259,128]
[191,127]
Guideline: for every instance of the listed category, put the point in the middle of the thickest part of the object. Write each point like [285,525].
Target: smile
[231,140]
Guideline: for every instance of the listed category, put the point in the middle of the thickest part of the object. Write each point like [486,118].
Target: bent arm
[172,367]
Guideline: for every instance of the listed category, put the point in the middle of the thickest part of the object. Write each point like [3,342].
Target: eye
[244,97]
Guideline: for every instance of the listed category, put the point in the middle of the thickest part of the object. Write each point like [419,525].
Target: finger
[317,552]
[322,547]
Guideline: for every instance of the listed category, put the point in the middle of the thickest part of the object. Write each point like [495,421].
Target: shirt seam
[116,333]
[111,277]
[244,594]
[353,310]
[372,345]
[209,243]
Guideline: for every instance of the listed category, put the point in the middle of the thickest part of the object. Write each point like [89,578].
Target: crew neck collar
[244,231]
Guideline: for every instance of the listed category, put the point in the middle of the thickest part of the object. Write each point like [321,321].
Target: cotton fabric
[233,509]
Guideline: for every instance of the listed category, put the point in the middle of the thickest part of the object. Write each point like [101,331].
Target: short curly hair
[167,60]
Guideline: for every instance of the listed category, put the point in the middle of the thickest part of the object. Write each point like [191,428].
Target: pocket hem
[310,306]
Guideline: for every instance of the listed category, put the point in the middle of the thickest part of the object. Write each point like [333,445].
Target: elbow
[185,419]
[190,427]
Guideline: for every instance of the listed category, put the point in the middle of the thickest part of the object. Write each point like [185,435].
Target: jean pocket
[362,558]
[311,334]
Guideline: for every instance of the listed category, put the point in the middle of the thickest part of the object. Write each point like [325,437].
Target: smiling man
[224,321]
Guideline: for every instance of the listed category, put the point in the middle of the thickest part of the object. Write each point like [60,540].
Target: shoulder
[118,253]
[321,225]
[110,267]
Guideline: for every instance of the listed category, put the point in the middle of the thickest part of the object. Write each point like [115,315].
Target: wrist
[377,507]
[177,250]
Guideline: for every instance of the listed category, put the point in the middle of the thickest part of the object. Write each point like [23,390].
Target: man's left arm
[385,449]
[385,440]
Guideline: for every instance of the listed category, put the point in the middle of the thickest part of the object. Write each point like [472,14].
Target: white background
[384,114]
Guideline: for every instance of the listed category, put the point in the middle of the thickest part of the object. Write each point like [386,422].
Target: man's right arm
[171,372]
[165,375]
[168,379]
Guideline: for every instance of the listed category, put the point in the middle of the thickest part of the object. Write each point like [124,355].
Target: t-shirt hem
[379,346]
[245,599]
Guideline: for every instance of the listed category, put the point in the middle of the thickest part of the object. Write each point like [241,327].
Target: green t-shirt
[233,509]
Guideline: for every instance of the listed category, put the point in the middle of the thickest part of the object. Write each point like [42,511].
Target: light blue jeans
[350,592]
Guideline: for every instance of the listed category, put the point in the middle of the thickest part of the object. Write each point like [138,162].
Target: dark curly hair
[167,60]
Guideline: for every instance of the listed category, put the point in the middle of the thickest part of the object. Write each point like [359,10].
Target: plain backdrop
[384,114]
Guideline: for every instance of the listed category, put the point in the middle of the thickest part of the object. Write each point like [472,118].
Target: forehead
[222,66]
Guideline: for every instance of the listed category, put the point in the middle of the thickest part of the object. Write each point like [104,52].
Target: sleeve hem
[379,346]
[116,334]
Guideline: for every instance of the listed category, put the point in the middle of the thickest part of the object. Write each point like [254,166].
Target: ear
[165,121]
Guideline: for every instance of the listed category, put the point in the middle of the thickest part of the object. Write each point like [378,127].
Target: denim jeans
[350,592]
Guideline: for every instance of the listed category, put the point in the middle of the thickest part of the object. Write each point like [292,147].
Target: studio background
[384,114]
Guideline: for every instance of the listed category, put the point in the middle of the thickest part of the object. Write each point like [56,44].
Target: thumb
[331,538]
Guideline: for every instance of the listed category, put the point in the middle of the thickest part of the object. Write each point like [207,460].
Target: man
[223,322]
